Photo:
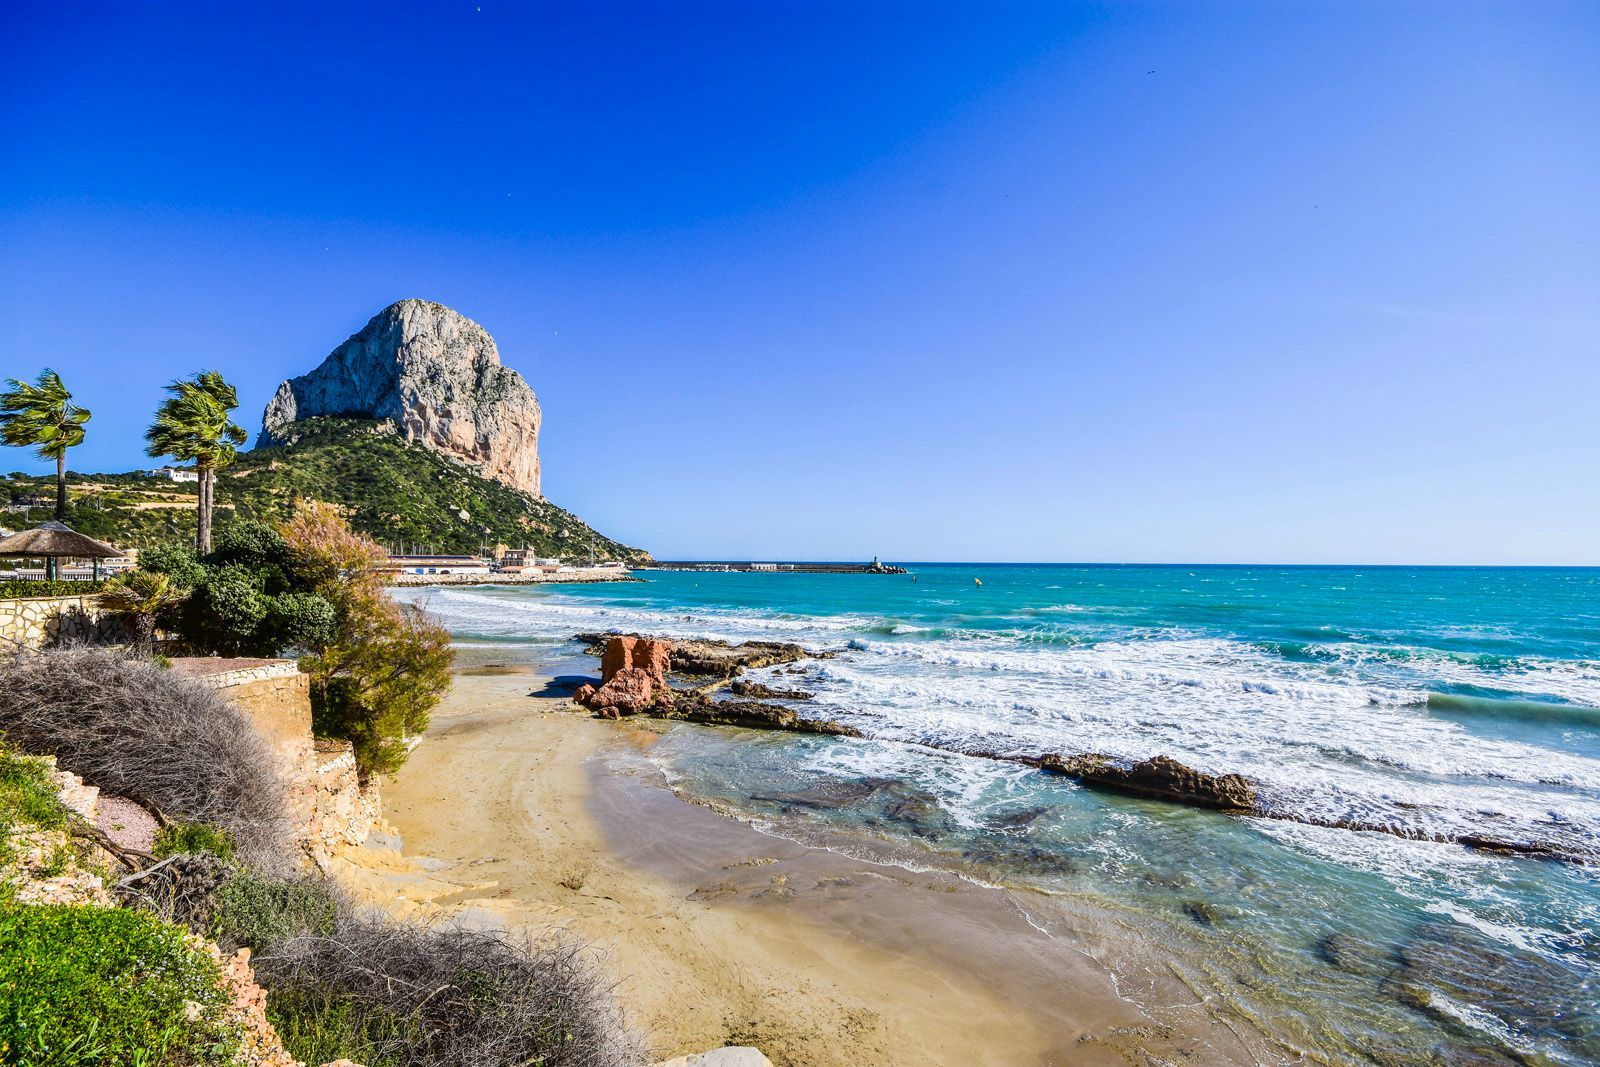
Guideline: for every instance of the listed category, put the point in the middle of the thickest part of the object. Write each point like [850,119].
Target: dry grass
[135,730]
[444,996]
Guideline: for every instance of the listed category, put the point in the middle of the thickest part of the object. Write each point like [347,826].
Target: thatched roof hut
[56,540]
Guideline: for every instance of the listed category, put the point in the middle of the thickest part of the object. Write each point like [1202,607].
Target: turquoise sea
[1440,702]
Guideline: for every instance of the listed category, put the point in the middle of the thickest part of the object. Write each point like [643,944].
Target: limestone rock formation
[436,376]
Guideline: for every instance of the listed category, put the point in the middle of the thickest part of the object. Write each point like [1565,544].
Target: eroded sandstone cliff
[436,376]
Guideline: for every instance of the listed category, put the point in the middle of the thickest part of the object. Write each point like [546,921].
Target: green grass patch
[28,801]
[96,987]
[322,1027]
[182,837]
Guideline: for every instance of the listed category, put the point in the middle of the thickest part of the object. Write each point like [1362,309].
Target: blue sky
[1188,282]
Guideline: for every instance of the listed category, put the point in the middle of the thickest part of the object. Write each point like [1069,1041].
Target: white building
[173,474]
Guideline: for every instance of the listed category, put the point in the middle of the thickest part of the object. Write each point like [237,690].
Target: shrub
[18,588]
[138,731]
[176,561]
[193,837]
[401,993]
[91,986]
[251,544]
[386,665]
[253,912]
[301,620]
[227,612]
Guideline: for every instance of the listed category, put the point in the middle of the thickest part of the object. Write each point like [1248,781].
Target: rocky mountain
[436,377]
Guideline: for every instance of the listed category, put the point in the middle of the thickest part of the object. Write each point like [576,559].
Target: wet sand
[518,811]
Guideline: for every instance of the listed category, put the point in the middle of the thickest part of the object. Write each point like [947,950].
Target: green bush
[255,912]
[300,620]
[177,561]
[17,588]
[191,837]
[93,987]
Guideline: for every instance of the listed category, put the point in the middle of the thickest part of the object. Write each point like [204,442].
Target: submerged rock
[1161,777]
[829,795]
[758,691]
[1447,964]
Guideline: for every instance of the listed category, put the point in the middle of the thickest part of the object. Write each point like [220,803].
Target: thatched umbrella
[56,539]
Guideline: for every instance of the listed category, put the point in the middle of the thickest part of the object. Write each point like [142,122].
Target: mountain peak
[437,377]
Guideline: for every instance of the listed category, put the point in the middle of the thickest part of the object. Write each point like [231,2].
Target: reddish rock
[653,656]
[623,652]
[584,694]
[618,656]
[629,692]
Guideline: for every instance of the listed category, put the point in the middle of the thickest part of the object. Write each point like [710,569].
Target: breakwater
[726,566]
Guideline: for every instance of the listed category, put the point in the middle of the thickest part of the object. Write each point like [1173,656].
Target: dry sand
[517,811]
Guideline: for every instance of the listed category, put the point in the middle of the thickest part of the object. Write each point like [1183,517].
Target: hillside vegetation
[392,491]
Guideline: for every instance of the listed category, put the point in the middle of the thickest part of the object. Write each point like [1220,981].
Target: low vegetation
[28,801]
[86,986]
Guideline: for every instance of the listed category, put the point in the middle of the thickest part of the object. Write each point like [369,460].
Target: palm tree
[192,425]
[141,597]
[43,417]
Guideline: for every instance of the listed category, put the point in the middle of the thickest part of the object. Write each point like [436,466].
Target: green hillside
[395,492]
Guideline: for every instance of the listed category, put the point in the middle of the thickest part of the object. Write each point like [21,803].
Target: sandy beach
[518,811]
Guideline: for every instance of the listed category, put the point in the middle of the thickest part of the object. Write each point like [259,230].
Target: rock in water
[1160,776]
[436,376]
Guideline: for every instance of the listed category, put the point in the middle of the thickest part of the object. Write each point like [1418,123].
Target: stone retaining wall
[330,805]
[37,623]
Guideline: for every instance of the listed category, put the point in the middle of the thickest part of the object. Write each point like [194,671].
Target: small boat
[978,582]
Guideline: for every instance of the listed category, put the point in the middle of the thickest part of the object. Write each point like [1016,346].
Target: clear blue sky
[1201,282]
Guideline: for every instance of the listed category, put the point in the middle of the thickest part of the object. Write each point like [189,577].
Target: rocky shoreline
[698,681]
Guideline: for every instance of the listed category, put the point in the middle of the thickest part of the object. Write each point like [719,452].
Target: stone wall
[331,807]
[37,623]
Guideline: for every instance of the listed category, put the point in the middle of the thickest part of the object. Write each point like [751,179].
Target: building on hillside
[523,561]
[173,474]
[436,565]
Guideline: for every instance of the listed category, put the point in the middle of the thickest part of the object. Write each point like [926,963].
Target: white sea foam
[1343,736]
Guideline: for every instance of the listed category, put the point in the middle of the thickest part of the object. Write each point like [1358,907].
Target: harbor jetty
[875,567]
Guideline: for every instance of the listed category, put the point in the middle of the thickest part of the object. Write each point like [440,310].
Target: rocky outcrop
[436,376]
[1161,777]
[633,681]
[651,655]
[716,659]
[633,676]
